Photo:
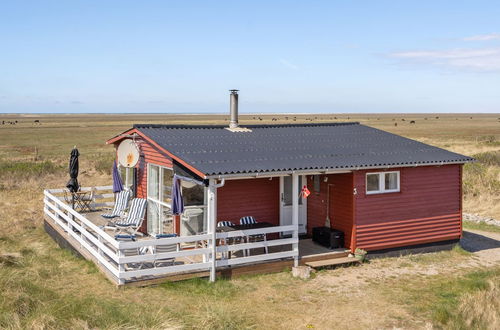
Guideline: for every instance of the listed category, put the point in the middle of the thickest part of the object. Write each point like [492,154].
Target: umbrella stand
[73,205]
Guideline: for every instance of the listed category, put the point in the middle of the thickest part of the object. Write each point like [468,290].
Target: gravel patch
[480,219]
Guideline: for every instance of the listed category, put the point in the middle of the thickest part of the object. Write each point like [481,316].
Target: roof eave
[262,174]
[121,136]
[171,155]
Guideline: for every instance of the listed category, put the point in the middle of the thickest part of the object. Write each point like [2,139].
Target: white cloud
[484,37]
[484,60]
[288,64]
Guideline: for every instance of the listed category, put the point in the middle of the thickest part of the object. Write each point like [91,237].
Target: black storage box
[330,238]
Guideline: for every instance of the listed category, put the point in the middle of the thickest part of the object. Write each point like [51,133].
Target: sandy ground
[484,246]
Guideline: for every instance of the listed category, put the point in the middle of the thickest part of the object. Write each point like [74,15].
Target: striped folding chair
[135,252]
[120,205]
[133,221]
[249,220]
[165,248]
[233,240]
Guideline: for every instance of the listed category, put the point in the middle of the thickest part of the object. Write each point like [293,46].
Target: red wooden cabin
[381,190]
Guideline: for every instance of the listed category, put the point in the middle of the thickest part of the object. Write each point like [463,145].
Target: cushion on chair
[109,216]
[165,235]
[125,236]
[225,224]
[248,220]
[120,224]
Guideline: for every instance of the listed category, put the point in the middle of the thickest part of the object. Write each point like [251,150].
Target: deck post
[295,217]
[212,225]
[121,268]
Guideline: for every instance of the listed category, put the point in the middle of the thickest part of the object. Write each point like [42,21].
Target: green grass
[49,288]
[31,302]
[445,295]
[223,289]
[489,158]
[104,162]
[481,226]
[441,297]
[429,258]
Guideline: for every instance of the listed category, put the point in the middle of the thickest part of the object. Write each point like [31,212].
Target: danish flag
[305,192]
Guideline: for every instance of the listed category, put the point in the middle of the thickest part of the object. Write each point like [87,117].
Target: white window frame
[129,175]
[381,183]
[160,203]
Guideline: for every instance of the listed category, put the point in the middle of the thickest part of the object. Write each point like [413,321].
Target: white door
[286,203]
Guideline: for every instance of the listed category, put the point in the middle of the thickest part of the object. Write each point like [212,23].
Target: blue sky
[284,56]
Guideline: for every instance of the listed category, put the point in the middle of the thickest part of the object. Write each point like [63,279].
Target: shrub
[489,158]
[28,169]
[489,139]
[360,254]
[104,163]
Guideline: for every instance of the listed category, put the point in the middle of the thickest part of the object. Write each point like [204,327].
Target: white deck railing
[193,253]
[285,243]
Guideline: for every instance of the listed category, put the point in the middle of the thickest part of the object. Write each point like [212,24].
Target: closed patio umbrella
[117,180]
[72,184]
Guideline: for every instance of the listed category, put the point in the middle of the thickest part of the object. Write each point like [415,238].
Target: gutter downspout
[354,226]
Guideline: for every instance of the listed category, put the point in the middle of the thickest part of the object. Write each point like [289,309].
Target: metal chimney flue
[233,108]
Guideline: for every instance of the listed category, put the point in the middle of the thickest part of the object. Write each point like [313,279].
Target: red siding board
[341,204]
[427,209]
[250,197]
[148,154]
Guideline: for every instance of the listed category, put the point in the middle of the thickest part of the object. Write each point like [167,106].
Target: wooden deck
[308,251]
[139,263]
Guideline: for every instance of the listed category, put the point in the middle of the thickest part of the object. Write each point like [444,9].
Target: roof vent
[233,108]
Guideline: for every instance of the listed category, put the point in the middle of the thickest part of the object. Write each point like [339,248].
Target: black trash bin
[336,239]
[330,238]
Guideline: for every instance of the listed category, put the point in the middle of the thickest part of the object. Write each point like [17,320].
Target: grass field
[49,288]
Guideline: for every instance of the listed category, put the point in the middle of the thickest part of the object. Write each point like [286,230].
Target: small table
[258,225]
[225,229]
[79,199]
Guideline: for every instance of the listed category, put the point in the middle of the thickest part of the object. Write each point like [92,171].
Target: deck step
[332,262]
[324,256]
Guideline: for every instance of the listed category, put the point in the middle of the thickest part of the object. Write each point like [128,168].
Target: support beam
[295,216]
[212,224]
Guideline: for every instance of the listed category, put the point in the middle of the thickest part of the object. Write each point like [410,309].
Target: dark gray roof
[214,150]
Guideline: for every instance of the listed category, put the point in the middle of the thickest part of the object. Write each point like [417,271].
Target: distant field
[471,134]
[49,288]
[56,133]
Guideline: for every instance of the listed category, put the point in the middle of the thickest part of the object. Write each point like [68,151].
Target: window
[159,198]
[193,194]
[194,218]
[127,175]
[287,190]
[382,182]
[317,183]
